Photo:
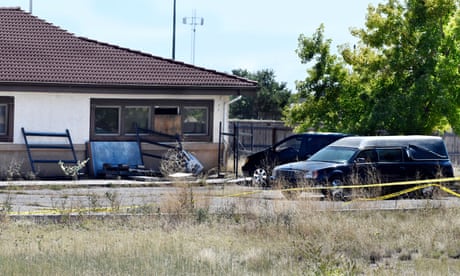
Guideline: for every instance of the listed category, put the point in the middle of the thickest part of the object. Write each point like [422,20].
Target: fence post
[235,149]
[273,135]
[219,154]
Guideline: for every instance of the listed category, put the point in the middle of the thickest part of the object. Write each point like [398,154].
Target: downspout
[225,127]
[228,104]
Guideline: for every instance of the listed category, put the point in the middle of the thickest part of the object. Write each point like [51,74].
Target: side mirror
[360,160]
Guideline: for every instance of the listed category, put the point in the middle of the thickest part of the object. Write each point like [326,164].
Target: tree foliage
[401,77]
[269,101]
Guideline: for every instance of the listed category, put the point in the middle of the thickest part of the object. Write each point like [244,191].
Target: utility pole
[30,6]
[174,31]
[193,21]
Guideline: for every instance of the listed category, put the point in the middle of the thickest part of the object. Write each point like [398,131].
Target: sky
[236,34]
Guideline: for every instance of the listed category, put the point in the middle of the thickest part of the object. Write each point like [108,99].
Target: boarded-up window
[167,120]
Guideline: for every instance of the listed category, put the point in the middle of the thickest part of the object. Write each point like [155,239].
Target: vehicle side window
[293,143]
[308,146]
[315,144]
[312,144]
[390,155]
[367,156]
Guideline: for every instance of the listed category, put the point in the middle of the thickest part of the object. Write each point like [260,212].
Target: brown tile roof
[33,51]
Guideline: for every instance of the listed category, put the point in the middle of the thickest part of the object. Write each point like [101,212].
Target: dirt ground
[106,196]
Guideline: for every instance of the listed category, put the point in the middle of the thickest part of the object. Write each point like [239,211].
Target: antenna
[193,21]
[174,31]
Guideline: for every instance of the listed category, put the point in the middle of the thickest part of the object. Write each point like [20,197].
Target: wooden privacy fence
[452,142]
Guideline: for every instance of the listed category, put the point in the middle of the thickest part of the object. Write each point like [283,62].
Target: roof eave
[121,88]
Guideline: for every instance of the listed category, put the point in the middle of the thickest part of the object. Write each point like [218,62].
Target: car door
[364,170]
[288,151]
[391,164]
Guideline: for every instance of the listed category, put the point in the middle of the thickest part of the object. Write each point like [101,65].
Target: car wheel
[260,177]
[337,194]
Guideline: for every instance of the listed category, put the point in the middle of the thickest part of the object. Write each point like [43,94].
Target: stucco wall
[55,112]
[45,112]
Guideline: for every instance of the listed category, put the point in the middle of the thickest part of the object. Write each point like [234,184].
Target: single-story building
[52,80]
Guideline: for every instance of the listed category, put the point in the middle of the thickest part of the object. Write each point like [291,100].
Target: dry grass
[192,240]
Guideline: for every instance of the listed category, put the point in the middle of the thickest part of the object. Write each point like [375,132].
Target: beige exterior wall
[56,112]
[14,156]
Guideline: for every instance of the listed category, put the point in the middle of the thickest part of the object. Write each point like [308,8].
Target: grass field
[185,239]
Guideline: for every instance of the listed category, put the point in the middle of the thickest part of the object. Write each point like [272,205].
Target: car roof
[433,143]
[323,134]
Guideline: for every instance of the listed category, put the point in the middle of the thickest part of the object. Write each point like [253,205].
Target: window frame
[8,102]
[119,121]
[125,128]
[207,111]
[123,104]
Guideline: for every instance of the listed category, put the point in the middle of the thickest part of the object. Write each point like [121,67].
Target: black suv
[293,148]
[368,160]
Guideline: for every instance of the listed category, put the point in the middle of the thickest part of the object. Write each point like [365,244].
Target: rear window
[422,153]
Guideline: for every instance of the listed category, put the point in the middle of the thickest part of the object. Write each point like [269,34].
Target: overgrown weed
[280,242]
[185,233]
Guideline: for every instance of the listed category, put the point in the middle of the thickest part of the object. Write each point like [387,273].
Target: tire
[260,177]
[337,194]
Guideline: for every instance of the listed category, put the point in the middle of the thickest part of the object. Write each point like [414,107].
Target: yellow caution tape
[395,194]
[426,183]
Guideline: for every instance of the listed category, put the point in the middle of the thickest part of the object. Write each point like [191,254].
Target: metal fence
[255,135]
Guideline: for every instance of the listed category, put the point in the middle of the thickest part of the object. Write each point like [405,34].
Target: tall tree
[401,78]
[326,99]
[269,101]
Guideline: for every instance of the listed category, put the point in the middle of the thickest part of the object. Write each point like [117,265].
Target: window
[3,119]
[293,143]
[390,155]
[107,120]
[118,119]
[367,156]
[195,120]
[6,119]
[166,110]
[136,116]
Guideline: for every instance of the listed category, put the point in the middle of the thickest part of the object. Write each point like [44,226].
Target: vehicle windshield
[333,154]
